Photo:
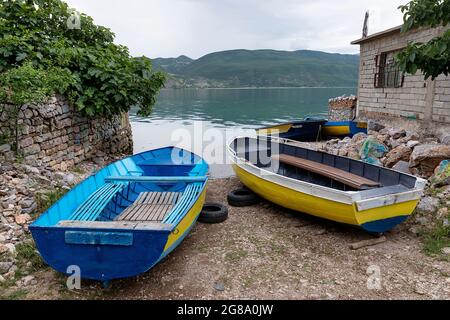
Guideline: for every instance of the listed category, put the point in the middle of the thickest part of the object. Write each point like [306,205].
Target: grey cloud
[170,28]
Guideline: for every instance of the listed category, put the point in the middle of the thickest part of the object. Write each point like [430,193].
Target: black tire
[242,198]
[213,213]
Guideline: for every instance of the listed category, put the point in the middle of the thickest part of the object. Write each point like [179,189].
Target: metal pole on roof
[366,25]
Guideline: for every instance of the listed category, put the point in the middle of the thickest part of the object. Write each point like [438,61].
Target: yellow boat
[324,185]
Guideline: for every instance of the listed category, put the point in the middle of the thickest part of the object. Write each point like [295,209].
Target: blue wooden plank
[150,179]
[188,204]
[189,197]
[180,207]
[89,201]
[97,207]
[94,205]
[99,238]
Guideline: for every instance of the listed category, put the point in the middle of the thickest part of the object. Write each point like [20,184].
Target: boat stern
[101,253]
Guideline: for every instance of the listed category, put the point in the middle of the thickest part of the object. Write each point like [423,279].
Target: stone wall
[417,99]
[56,136]
[342,108]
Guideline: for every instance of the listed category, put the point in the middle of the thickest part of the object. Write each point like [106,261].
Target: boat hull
[374,220]
[341,129]
[308,130]
[136,253]
[311,130]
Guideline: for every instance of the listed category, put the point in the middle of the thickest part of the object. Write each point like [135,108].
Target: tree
[104,78]
[433,58]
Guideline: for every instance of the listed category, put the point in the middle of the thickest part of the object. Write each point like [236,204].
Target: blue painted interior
[169,161]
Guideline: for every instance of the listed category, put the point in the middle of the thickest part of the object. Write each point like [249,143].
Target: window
[388,74]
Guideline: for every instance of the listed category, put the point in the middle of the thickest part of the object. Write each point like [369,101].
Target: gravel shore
[267,252]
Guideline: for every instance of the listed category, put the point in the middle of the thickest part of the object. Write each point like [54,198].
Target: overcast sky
[169,28]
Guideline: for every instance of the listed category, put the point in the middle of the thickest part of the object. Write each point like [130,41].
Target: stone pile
[24,189]
[342,108]
[411,152]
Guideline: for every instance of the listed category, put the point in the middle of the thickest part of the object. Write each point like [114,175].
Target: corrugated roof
[379,35]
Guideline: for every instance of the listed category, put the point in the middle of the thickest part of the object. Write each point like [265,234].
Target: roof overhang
[379,35]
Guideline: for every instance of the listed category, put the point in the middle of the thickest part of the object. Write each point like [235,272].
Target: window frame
[382,78]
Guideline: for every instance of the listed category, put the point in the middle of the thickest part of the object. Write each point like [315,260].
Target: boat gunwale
[201,161]
[292,123]
[173,225]
[346,197]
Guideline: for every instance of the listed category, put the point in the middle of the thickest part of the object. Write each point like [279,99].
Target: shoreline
[254,88]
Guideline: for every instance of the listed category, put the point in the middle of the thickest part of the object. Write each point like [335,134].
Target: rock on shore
[26,191]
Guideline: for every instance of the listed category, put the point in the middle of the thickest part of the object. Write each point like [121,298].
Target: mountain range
[261,68]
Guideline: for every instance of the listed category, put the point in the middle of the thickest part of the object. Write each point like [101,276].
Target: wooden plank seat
[347,178]
[93,206]
[151,206]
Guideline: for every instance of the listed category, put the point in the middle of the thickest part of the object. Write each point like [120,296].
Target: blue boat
[311,129]
[126,218]
[342,129]
[304,130]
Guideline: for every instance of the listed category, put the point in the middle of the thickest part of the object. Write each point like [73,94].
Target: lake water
[205,120]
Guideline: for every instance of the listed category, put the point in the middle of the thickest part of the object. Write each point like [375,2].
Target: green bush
[100,77]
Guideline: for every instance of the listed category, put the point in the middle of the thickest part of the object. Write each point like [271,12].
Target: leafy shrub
[100,77]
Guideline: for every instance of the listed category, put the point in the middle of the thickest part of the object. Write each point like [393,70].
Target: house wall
[55,135]
[418,98]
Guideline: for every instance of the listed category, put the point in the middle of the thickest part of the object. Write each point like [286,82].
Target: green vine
[99,77]
[433,57]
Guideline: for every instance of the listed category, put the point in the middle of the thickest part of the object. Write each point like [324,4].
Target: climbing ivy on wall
[46,39]
[27,84]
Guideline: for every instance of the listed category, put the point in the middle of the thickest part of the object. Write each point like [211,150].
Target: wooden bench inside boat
[347,178]
[151,206]
[94,205]
[162,207]
[125,225]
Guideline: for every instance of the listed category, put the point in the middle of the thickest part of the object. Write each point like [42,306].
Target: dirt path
[266,252]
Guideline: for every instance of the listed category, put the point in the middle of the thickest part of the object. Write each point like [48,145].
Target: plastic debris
[372,151]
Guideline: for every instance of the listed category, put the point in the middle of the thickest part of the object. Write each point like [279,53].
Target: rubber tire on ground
[242,198]
[213,213]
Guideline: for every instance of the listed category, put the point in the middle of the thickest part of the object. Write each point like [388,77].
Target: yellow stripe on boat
[187,221]
[395,210]
[362,125]
[320,207]
[335,131]
[295,200]
[283,128]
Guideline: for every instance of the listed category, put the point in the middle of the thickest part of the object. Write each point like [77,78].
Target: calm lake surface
[205,120]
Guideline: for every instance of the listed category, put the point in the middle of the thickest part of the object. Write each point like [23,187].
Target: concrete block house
[385,92]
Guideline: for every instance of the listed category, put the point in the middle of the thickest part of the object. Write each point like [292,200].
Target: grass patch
[45,200]
[28,260]
[78,170]
[18,294]
[4,139]
[19,158]
[436,239]
[236,255]
[26,252]
[434,192]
